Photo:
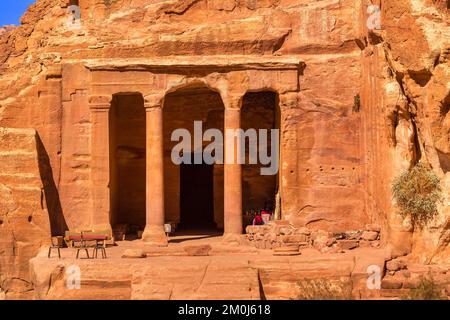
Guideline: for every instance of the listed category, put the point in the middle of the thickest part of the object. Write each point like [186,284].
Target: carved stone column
[154,230]
[232,172]
[100,175]
[288,154]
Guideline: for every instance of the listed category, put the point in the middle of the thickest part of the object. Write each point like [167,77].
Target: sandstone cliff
[408,63]
[401,74]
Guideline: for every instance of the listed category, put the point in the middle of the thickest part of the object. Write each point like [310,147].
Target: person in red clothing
[258,221]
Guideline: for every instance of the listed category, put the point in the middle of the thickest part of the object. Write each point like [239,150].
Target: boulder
[392,265]
[391,283]
[347,244]
[396,264]
[353,235]
[370,235]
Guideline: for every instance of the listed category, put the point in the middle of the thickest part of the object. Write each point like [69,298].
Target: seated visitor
[258,221]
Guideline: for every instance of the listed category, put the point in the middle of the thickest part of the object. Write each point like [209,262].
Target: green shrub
[322,289]
[427,289]
[417,192]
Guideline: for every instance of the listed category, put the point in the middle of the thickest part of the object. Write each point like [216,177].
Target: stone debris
[273,236]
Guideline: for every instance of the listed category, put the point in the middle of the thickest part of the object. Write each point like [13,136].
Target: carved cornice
[228,63]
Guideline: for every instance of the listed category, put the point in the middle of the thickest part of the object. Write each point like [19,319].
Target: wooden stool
[99,246]
[56,243]
[82,247]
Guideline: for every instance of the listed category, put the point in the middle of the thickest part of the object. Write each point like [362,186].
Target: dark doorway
[260,110]
[127,163]
[197,196]
[193,195]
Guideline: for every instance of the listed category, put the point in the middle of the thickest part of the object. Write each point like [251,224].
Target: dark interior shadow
[58,224]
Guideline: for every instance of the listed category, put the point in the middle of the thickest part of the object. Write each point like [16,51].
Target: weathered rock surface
[24,218]
[362,106]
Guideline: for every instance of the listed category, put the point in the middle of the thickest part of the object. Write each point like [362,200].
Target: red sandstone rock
[396,264]
[347,244]
[338,155]
[369,235]
[391,283]
[202,250]
[24,207]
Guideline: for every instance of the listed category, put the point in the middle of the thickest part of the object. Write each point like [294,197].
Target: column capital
[233,102]
[154,101]
[100,103]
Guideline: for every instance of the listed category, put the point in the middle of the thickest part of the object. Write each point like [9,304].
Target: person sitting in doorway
[258,220]
[267,212]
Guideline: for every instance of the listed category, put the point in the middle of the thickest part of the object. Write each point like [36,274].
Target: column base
[155,235]
[232,238]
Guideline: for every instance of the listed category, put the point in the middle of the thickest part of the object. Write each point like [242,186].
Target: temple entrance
[128,164]
[193,192]
[197,196]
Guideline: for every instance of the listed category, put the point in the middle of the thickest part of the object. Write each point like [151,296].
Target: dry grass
[323,289]
[427,289]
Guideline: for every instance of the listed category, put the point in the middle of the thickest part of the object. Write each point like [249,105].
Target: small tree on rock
[417,192]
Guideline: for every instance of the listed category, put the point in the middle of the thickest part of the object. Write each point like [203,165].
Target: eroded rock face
[364,105]
[24,219]
[408,60]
